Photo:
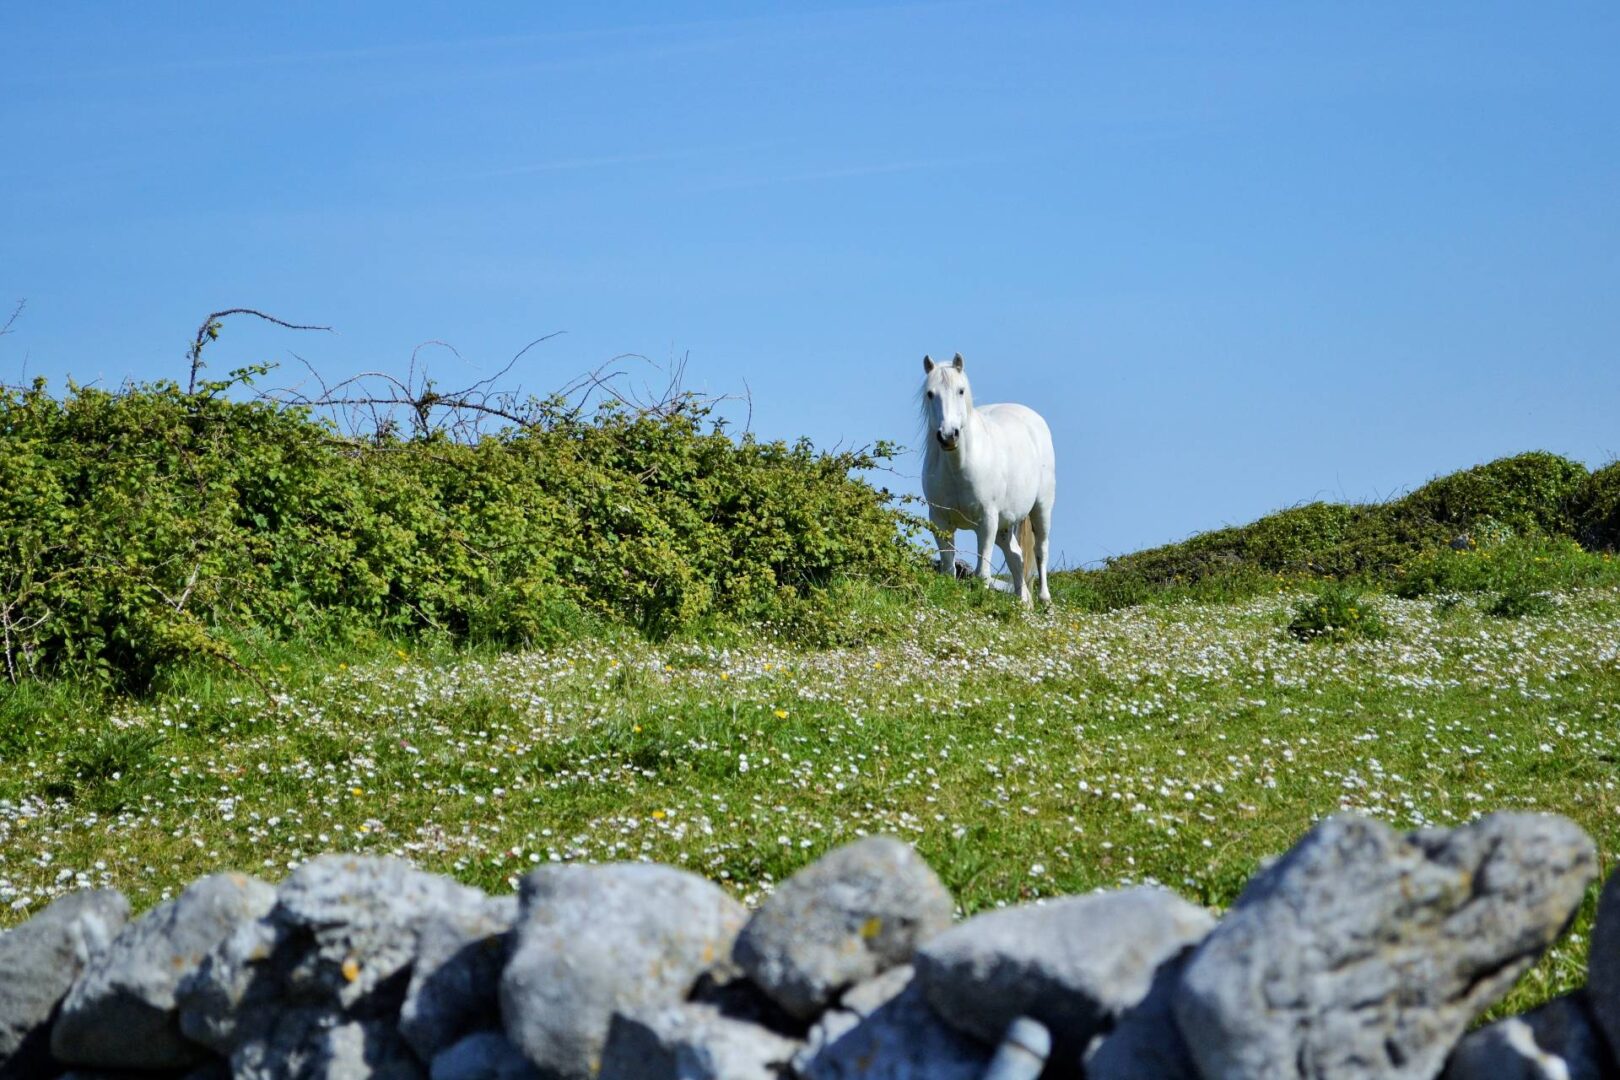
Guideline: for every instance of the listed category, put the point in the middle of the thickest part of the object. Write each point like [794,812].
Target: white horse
[989,469]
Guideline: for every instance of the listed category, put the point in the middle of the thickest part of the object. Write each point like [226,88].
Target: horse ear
[957,363]
[928,363]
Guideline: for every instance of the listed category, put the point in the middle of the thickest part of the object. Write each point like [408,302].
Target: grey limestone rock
[121,1012]
[311,1048]
[689,1041]
[1603,963]
[1145,1044]
[337,947]
[454,982]
[591,941]
[1365,953]
[233,981]
[735,996]
[40,960]
[1074,964]
[882,1029]
[856,911]
[857,1003]
[1559,1041]
[483,1055]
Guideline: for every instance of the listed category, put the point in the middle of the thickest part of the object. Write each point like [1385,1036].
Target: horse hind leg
[1040,528]
[1026,548]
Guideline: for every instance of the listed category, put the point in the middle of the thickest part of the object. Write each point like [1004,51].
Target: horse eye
[960,392]
[929,395]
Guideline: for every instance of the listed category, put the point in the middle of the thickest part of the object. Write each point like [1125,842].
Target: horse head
[947,401]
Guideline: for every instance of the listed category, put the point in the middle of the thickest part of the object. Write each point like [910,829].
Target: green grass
[1025,755]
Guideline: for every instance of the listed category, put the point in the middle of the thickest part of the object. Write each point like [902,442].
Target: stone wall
[1362,952]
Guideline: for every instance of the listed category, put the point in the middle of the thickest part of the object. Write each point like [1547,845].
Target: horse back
[1013,421]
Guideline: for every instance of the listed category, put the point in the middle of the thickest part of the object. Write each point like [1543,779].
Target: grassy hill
[1176,716]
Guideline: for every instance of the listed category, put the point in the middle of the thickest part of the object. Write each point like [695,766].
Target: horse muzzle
[948,445]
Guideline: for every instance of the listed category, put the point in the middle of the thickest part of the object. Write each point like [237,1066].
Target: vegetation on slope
[632,636]
[1543,506]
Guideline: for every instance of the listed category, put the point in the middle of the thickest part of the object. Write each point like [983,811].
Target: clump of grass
[1337,613]
[1519,600]
[1447,604]
[106,770]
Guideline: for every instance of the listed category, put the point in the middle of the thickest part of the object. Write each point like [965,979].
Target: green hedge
[147,525]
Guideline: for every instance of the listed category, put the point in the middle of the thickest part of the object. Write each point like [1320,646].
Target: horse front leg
[945,536]
[985,531]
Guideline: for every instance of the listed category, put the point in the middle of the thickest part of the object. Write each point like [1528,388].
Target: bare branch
[15,313]
[519,355]
[372,406]
[209,330]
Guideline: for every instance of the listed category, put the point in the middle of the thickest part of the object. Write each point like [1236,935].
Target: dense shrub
[1597,517]
[145,525]
[1534,493]
[1290,541]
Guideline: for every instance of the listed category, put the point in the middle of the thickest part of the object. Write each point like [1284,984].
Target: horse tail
[1026,545]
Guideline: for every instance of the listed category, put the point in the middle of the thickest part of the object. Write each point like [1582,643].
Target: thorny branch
[374,404]
[369,405]
[209,330]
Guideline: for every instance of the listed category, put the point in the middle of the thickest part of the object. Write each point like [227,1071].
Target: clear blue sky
[1240,256]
